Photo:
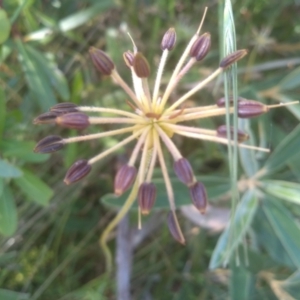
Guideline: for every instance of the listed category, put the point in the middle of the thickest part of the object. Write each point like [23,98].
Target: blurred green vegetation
[49,232]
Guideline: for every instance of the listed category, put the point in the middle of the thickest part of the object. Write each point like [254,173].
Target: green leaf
[34,188]
[55,77]
[12,295]
[247,156]
[242,283]
[233,234]
[285,190]
[9,171]
[2,111]
[73,21]
[8,213]
[4,25]
[291,81]
[36,78]
[292,284]
[268,240]
[215,187]
[285,227]
[286,150]
[1,186]
[22,150]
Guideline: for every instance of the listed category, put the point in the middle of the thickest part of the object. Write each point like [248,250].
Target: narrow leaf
[289,191]
[36,78]
[8,213]
[2,112]
[241,283]
[34,188]
[12,295]
[285,227]
[4,25]
[291,81]
[286,150]
[9,171]
[233,234]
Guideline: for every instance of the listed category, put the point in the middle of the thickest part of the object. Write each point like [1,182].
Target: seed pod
[128,57]
[146,197]
[232,58]
[175,228]
[124,179]
[46,118]
[141,66]
[77,171]
[63,108]
[168,40]
[76,120]
[199,196]
[241,135]
[49,144]
[201,47]
[251,108]
[101,61]
[222,101]
[184,171]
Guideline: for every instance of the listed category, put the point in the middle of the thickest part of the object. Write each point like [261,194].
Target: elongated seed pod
[199,196]
[76,120]
[184,171]
[101,61]
[77,171]
[168,40]
[49,144]
[241,135]
[146,197]
[124,179]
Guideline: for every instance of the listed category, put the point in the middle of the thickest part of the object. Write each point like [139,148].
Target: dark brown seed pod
[184,171]
[175,228]
[77,171]
[76,120]
[251,108]
[63,108]
[241,135]
[128,57]
[141,66]
[146,197]
[49,144]
[168,40]
[201,46]
[199,196]
[46,118]
[124,179]
[232,58]
[222,101]
[101,61]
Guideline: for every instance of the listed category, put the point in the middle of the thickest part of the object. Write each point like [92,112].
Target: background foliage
[49,232]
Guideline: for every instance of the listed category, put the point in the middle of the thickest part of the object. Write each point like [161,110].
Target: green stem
[115,221]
